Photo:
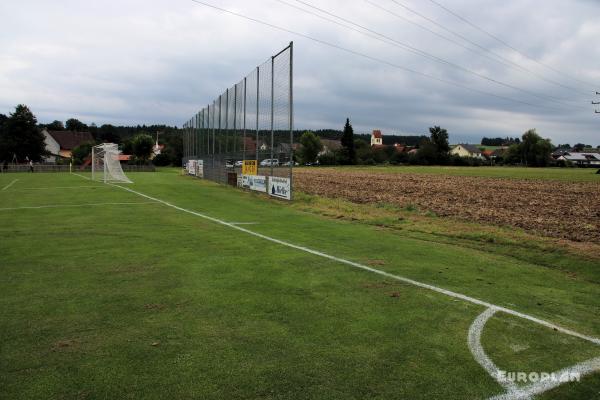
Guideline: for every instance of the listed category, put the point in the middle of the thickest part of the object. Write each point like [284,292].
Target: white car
[269,162]
[239,163]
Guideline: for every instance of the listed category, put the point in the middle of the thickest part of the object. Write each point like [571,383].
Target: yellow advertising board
[250,167]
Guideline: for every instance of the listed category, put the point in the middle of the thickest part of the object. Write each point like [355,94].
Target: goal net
[106,165]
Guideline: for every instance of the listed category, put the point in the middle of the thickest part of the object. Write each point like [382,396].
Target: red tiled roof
[377,134]
[68,140]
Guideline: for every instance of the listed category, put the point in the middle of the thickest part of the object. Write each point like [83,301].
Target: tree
[21,137]
[55,126]
[75,125]
[81,152]
[311,146]
[348,149]
[427,153]
[108,134]
[579,147]
[142,146]
[532,151]
[439,138]
[535,151]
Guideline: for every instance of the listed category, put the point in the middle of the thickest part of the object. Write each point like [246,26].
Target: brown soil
[568,210]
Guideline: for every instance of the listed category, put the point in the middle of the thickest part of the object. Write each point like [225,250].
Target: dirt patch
[155,307]
[567,210]
[379,285]
[65,345]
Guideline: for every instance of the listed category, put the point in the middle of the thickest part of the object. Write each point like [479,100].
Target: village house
[61,143]
[467,150]
[330,146]
[581,159]
[376,138]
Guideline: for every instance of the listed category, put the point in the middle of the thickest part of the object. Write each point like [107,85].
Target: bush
[162,160]
[329,158]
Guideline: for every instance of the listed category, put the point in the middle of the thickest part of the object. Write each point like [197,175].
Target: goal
[106,165]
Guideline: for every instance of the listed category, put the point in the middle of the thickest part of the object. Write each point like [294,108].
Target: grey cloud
[161,61]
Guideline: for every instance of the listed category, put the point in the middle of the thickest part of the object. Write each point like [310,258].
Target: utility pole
[597,103]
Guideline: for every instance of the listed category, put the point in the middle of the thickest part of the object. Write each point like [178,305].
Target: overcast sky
[157,61]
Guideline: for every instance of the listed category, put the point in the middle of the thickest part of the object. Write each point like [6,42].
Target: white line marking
[474,340]
[527,392]
[244,223]
[62,187]
[9,185]
[75,205]
[376,271]
[82,176]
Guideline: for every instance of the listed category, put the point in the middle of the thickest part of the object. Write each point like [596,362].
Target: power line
[498,39]
[493,56]
[485,49]
[425,54]
[371,58]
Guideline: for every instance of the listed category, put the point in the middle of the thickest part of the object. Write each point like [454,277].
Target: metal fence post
[244,131]
[213,134]
[291,101]
[272,107]
[257,109]
[220,133]
[234,119]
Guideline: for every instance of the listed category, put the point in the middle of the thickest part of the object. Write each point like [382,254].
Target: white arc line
[370,269]
[9,185]
[476,348]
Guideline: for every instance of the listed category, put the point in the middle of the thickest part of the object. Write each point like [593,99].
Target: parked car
[267,162]
[229,163]
[239,163]
[289,163]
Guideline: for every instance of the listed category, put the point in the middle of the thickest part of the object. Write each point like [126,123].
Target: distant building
[467,150]
[376,138]
[62,143]
[330,145]
[581,159]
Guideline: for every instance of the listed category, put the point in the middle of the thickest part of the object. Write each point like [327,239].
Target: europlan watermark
[538,377]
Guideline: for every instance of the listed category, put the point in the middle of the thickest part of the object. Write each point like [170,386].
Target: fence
[250,123]
[65,168]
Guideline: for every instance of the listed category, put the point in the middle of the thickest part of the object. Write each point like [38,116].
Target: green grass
[145,301]
[560,174]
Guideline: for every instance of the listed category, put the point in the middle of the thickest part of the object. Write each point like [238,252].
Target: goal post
[106,165]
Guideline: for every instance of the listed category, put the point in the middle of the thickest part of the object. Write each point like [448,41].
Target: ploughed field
[562,209]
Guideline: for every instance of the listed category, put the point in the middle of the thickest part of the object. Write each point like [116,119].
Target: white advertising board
[191,167]
[280,187]
[255,182]
[200,168]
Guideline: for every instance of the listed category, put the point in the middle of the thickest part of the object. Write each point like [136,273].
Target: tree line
[529,150]
[21,139]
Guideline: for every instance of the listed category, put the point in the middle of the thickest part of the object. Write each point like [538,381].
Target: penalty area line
[9,185]
[373,270]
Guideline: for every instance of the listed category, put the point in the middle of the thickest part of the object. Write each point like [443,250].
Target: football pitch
[173,287]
